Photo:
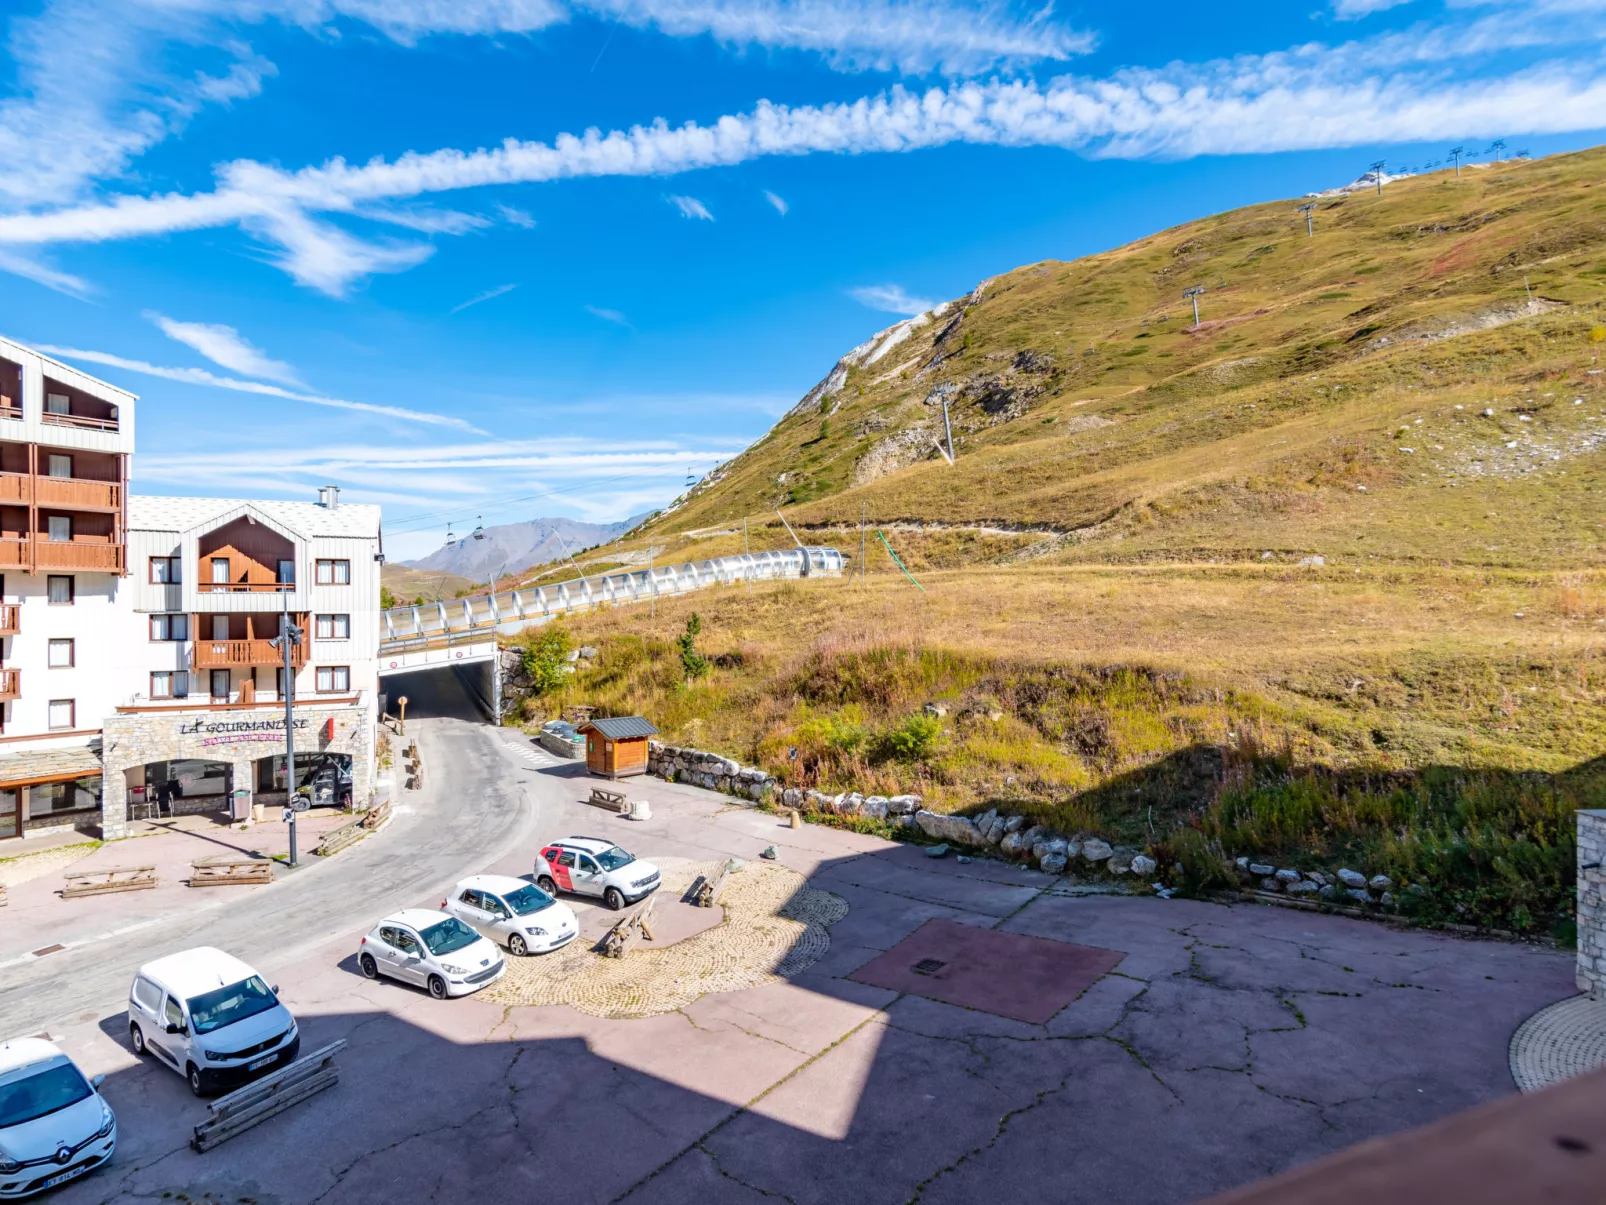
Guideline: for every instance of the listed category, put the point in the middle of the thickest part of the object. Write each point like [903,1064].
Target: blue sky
[503,258]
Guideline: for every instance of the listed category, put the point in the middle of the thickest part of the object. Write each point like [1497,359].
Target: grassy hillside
[1320,578]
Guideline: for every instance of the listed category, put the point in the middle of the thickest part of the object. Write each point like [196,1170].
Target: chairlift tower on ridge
[1307,210]
[1377,174]
[1193,295]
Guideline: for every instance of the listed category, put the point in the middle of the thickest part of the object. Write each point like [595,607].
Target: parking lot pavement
[1228,1043]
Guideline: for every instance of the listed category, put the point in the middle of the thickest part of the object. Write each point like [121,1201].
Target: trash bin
[241,809]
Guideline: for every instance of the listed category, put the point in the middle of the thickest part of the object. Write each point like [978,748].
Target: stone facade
[238,737]
[1592,903]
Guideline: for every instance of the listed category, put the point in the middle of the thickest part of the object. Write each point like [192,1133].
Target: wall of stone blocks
[1592,903]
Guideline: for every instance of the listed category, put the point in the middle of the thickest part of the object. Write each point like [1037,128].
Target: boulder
[1073,848]
[956,829]
[1053,863]
[1351,878]
[1012,846]
[1386,899]
[1261,871]
[1121,860]
[1381,882]
[1242,865]
[1014,824]
[1317,877]
[1358,895]
[936,851]
[1288,876]
[1049,846]
[984,822]
[792,797]
[937,709]
[1328,892]
[1303,887]
[1269,884]
[1094,850]
[904,805]
[587,651]
[1031,836]
[995,830]
[851,804]
[1144,865]
[875,807]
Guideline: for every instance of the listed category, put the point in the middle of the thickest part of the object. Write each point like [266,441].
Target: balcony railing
[264,698]
[14,552]
[77,493]
[10,683]
[245,587]
[10,408]
[10,619]
[229,654]
[84,422]
[67,554]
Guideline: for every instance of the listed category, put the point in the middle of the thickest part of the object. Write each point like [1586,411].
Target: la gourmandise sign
[230,732]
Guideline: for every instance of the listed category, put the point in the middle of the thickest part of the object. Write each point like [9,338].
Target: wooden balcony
[245,587]
[80,421]
[62,493]
[71,554]
[243,654]
[10,684]
[10,619]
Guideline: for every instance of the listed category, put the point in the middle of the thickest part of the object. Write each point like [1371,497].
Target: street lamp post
[289,636]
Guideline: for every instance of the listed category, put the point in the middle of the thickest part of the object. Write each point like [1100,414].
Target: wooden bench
[607,797]
[618,940]
[375,816]
[107,880]
[230,870]
[704,891]
[337,839]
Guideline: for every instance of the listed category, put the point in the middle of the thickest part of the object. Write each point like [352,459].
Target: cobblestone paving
[1559,1042]
[775,926]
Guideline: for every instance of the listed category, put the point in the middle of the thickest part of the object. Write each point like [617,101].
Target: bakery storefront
[160,761]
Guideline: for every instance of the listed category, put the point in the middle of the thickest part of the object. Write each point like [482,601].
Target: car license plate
[258,1064]
[64,1177]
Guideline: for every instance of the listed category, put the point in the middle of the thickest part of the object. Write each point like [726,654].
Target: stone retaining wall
[713,772]
[1592,903]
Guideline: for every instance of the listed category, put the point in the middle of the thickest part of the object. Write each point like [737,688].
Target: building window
[165,570]
[333,678]
[334,627]
[63,714]
[80,795]
[58,465]
[58,403]
[59,589]
[287,573]
[170,684]
[220,684]
[220,570]
[170,627]
[60,654]
[334,573]
[59,529]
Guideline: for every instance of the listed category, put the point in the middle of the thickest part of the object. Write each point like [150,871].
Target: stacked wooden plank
[607,797]
[704,891]
[230,870]
[108,879]
[617,941]
[255,1103]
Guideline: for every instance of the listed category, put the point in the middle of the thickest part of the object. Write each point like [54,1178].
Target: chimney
[329,497]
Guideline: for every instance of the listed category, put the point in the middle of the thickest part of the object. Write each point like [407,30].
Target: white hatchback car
[592,866]
[512,912]
[434,950]
[54,1126]
[211,1018]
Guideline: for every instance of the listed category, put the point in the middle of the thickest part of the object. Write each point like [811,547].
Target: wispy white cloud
[690,207]
[485,296]
[891,298]
[1350,10]
[613,316]
[779,203]
[225,347]
[200,376]
[1423,84]
[31,268]
[516,217]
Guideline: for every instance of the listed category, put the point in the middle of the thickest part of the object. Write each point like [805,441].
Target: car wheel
[437,987]
[547,885]
[136,1038]
[369,968]
[614,898]
[195,1081]
[516,946]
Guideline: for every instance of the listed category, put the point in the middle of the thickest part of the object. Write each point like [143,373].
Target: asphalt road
[471,811]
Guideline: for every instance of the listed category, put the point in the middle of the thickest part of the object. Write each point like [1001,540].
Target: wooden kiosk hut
[617,747]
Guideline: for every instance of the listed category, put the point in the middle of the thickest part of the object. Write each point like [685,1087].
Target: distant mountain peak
[512,547]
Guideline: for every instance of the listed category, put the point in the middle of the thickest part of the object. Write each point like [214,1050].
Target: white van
[211,1018]
[54,1126]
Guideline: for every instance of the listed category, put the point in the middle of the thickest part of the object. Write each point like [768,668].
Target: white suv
[211,1018]
[54,1126]
[592,866]
[517,914]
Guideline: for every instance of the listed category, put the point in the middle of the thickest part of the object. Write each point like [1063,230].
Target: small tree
[545,659]
[694,663]
[387,600]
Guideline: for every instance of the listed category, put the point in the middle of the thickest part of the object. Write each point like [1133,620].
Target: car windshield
[449,936]
[560,728]
[528,899]
[613,858]
[41,1094]
[214,1010]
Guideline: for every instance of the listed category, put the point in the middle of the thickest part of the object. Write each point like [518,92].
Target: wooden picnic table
[607,797]
[227,870]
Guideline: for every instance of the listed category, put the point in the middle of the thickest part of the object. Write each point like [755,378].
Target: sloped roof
[621,727]
[49,765]
[147,512]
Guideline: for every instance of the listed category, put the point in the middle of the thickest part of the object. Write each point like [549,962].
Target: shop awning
[34,766]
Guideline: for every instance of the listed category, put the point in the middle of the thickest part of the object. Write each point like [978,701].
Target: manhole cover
[43,950]
[928,966]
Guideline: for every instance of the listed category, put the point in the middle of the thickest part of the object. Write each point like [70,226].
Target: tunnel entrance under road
[466,691]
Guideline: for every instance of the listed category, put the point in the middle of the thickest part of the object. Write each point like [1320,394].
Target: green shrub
[546,657]
[914,738]
[693,662]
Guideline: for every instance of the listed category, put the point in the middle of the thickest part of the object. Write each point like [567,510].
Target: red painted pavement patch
[1007,974]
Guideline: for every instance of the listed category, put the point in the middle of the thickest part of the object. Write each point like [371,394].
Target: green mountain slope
[1402,384]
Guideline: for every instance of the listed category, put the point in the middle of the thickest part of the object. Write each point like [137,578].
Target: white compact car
[211,1018]
[54,1126]
[512,912]
[592,866]
[434,950]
